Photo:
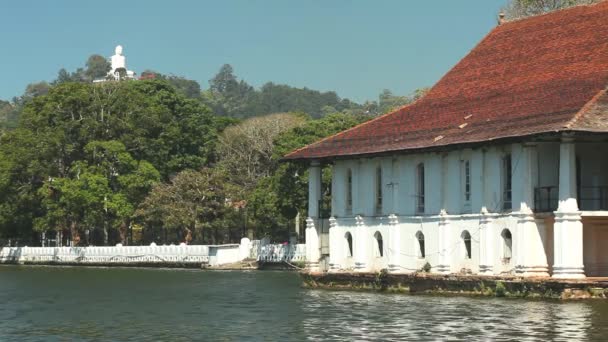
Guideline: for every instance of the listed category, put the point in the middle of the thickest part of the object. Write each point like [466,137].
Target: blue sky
[355,47]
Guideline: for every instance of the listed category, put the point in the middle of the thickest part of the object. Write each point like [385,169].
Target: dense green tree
[232,97]
[97,67]
[186,87]
[277,199]
[245,150]
[191,204]
[98,141]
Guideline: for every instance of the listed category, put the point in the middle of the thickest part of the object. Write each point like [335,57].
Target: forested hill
[226,95]
[159,159]
[230,96]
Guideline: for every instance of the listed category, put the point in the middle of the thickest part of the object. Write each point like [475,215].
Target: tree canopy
[517,9]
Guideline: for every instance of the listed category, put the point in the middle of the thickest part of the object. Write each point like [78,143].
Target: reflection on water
[82,304]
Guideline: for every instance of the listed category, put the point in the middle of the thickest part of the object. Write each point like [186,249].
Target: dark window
[349,190]
[378,190]
[467,181]
[506,193]
[420,188]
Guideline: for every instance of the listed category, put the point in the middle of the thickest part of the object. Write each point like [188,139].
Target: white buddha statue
[118,60]
[119,63]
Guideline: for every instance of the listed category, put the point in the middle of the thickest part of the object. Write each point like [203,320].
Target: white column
[531,259]
[487,238]
[395,252]
[568,228]
[336,247]
[492,181]
[433,180]
[313,252]
[388,186]
[451,183]
[363,245]
[445,247]
[477,183]
[406,200]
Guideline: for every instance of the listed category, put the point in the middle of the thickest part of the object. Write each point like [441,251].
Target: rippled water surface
[86,304]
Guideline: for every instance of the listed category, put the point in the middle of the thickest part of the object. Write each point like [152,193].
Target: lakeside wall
[155,255]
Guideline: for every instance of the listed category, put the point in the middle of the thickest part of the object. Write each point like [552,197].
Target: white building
[502,168]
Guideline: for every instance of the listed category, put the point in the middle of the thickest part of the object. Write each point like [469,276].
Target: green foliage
[229,96]
[97,67]
[191,204]
[188,88]
[277,199]
[500,289]
[516,9]
[85,155]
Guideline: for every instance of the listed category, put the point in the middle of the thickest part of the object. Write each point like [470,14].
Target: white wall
[444,193]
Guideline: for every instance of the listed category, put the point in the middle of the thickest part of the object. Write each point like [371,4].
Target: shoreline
[484,286]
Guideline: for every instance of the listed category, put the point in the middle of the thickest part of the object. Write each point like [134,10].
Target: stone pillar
[445,247]
[313,247]
[395,252]
[568,228]
[452,192]
[477,184]
[336,247]
[486,243]
[363,243]
[530,257]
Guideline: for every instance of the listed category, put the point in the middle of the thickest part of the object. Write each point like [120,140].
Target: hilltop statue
[118,60]
[119,66]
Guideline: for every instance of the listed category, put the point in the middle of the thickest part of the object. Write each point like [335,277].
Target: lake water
[103,304]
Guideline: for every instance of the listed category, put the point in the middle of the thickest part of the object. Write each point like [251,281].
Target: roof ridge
[585,108]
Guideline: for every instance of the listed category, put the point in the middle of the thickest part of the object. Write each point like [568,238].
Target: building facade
[502,168]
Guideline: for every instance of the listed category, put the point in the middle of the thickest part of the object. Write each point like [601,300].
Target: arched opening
[421,251]
[379,250]
[466,239]
[507,245]
[349,244]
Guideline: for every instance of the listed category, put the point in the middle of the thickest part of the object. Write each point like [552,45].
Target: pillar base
[313,267]
[361,267]
[569,272]
[441,269]
[532,271]
[486,269]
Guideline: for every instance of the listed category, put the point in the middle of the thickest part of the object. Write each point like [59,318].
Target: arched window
[421,251]
[349,244]
[349,191]
[379,244]
[466,239]
[507,245]
[420,188]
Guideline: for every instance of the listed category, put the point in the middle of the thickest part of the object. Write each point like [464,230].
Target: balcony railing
[546,198]
[593,198]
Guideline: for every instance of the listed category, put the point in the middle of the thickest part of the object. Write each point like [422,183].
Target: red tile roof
[542,74]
